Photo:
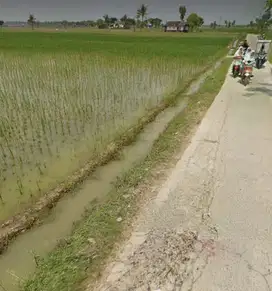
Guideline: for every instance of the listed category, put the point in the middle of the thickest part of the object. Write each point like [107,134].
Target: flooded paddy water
[18,262]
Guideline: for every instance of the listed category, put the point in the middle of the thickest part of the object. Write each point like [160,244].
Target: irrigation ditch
[42,226]
[36,213]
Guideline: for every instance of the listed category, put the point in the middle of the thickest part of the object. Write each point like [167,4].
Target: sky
[243,11]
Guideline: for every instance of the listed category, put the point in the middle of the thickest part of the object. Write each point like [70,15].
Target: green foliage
[182,12]
[195,21]
[142,13]
[31,20]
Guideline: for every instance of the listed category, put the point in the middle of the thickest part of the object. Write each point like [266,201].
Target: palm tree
[142,13]
[31,20]
[182,12]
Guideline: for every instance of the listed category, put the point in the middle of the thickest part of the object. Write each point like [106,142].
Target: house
[117,24]
[176,26]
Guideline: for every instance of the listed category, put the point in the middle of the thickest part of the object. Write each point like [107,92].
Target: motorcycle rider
[245,45]
[238,53]
[248,52]
[249,59]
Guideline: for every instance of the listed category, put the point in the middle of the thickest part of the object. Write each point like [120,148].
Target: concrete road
[210,226]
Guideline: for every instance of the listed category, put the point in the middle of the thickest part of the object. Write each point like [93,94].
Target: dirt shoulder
[82,256]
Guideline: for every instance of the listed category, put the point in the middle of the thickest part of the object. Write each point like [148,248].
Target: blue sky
[240,10]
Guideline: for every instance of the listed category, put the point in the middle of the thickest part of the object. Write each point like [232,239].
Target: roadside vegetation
[84,253]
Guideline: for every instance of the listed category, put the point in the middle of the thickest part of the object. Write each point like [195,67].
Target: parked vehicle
[260,60]
[236,67]
[262,51]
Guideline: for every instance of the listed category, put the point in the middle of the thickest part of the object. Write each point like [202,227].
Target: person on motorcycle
[245,45]
[238,54]
[250,56]
[245,55]
[248,52]
[249,59]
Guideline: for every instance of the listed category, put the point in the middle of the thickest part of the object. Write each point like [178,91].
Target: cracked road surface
[209,228]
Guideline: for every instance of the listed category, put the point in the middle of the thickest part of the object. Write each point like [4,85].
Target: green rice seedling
[62,104]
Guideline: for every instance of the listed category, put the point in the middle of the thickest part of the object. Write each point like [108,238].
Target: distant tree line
[264,21]
[227,24]
[140,20]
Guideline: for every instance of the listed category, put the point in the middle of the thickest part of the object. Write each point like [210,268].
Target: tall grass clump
[60,109]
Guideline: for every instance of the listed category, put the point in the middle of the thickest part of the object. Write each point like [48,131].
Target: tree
[31,20]
[1,23]
[264,21]
[268,5]
[65,24]
[251,24]
[142,13]
[182,12]
[226,23]
[213,25]
[112,20]
[90,23]
[200,21]
[106,19]
[99,22]
[233,22]
[124,19]
[195,21]
[156,22]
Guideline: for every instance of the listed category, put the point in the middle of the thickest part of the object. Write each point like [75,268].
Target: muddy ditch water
[17,263]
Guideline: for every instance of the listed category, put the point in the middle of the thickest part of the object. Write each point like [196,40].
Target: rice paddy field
[65,96]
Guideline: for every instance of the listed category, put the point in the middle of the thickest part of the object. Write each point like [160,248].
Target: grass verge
[84,253]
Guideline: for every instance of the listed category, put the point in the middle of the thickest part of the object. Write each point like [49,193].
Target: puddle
[17,263]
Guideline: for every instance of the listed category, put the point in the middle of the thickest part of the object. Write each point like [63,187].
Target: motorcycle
[260,60]
[236,66]
[246,74]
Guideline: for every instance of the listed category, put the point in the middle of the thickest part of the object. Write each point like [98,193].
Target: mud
[18,262]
